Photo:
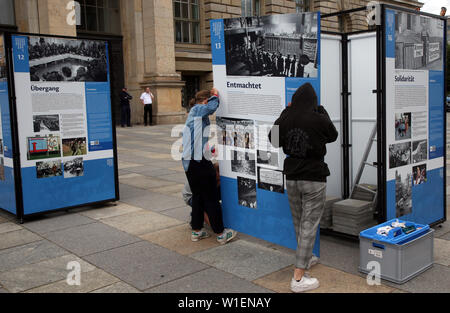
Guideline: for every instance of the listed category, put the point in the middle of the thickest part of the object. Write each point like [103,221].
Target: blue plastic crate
[396,235]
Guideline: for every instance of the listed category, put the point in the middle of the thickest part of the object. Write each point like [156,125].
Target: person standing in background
[125,98]
[443,11]
[147,101]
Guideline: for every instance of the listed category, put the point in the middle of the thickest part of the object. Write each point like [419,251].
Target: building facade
[162,44]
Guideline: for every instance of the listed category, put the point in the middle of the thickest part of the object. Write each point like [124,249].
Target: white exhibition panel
[363,102]
[331,99]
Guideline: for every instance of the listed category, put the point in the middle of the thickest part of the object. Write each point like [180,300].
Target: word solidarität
[246,86]
[402,78]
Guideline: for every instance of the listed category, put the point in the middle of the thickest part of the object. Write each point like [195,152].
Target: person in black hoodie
[304,129]
[125,98]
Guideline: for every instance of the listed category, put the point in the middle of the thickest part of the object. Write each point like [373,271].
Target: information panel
[258,64]
[7,188]
[415,117]
[64,122]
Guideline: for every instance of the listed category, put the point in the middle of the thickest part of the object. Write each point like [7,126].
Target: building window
[7,12]
[302,6]
[251,7]
[101,16]
[187,21]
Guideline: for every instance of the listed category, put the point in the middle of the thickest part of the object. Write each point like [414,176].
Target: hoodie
[304,130]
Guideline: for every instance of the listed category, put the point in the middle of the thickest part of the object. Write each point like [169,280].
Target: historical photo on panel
[74,146]
[276,45]
[48,169]
[420,174]
[46,147]
[403,193]
[419,42]
[270,180]
[60,59]
[243,163]
[399,154]
[402,126]
[74,168]
[42,123]
[1,146]
[420,151]
[3,73]
[247,192]
[269,158]
[236,133]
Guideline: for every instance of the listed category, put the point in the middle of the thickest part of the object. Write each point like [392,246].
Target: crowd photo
[46,123]
[74,168]
[57,59]
[273,46]
[399,155]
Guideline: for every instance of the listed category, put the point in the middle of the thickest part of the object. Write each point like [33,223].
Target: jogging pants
[202,180]
[307,201]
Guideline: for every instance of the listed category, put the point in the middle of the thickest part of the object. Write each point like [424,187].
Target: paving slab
[3,220]
[178,239]
[435,280]
[9,227]
[245,259]
[330,279]
[126,165]
[17,238]
[145,182]
[34,252]
[442,252]
[210,281]
[181,213]
[140,223]
[144,265]
[91,238]
[442,229]
[340,253]
[59,221]
[154,201]
[42,273]
[89,281]
[172,190]
[110,211]
[119,287]
[3,290]
[177,178]
[130,192]
[446,236]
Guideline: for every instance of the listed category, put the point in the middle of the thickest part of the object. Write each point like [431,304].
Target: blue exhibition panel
[414,49]
[269,216]
[64,121]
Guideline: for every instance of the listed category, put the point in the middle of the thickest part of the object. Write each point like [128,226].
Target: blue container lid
[396,235]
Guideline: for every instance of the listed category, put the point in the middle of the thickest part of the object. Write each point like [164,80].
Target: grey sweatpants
[307,201]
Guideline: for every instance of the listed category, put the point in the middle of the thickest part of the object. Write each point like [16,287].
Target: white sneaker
[197,236]
[307,283]
[313,262]
[227,235]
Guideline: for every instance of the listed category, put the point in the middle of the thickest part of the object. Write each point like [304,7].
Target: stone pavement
[142,244]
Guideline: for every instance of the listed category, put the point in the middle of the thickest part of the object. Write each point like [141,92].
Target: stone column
[159,61]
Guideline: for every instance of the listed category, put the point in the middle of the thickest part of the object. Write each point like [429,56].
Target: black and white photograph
[247,193]
[243,163]
[269,158]
[272,46]
[403,194]
[236,133]
[420,174]
[67,60]
[46,123]
[2,169]
[3,74]
[399,155]
[1,146]
[48,169]
[402,126]
[419,42]
[420,151]
[270,180]
[74,168]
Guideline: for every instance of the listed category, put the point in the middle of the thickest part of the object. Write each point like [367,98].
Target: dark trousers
[148,111]
[126,118]
[202,180]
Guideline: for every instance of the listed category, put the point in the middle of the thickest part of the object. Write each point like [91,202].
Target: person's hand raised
[214,92]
